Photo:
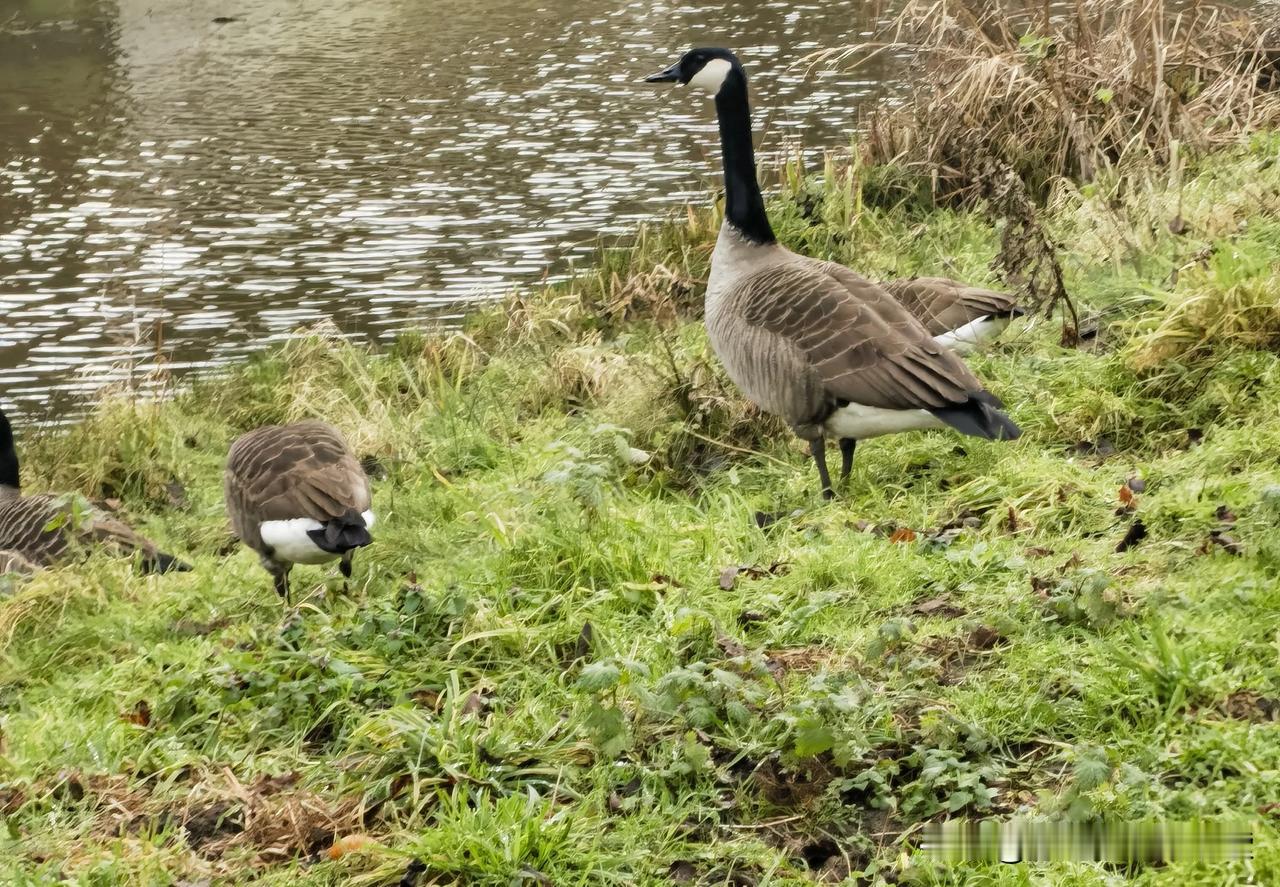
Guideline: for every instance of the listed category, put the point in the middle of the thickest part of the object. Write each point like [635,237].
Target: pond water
[176,185]
[185,181]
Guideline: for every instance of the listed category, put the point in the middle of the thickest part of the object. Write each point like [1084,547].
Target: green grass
[544,671]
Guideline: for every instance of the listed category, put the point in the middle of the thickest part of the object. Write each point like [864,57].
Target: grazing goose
[296,495]
[958,316]
[43,530]
[808,340]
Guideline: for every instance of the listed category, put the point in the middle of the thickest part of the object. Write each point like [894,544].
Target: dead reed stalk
[1069,95]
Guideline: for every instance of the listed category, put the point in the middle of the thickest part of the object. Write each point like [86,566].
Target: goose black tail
[980,416]
[341,534]
[164,563]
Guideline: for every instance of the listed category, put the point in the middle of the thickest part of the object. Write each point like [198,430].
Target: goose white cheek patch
[711,77]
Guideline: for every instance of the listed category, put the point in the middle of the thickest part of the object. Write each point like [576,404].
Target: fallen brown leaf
[11,799]
[1127,498]
[903,534]
[351,844]
[427,698]
[939,606]
[984,637]
[729,575]
[475,703]
[140,714]
[1246,705]
[176,494]
[730,647]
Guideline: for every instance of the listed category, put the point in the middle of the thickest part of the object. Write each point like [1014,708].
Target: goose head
[706,69]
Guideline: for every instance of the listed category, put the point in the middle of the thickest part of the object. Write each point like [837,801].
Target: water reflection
[214,185]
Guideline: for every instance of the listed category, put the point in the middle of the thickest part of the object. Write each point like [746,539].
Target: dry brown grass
[221,821]
[1071,95]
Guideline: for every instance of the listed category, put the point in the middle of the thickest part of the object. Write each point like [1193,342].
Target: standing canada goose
[808,340]
[296,495]
[44,530]
[958,316]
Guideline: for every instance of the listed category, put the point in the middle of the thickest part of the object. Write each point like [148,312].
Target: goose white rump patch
[711,77]
[290,542]
[861,422]
[965,339]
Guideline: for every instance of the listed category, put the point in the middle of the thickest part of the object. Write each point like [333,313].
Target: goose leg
[818,448]
[280,576]
[345,568]
[847,445]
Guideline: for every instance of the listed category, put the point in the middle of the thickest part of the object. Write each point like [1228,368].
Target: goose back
[29,526]
[291,472]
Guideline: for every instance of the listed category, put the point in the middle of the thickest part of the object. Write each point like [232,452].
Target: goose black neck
[8,456]
[743,202]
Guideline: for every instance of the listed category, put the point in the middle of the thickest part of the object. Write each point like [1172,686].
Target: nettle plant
[590,472]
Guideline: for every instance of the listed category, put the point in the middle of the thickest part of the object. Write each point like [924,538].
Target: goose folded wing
[34,526]
[42,528]
[864,346]
[102,529]
[942,304]
[300,476]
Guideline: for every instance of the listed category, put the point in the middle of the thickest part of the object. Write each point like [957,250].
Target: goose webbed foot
[818,448]
[847,446]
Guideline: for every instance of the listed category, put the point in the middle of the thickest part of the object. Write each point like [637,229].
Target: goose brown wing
[105,530]
[41,528]
[301,470]
[943,305]
[864,346]
[30,526]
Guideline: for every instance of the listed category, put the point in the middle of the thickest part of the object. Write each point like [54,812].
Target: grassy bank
[575,656]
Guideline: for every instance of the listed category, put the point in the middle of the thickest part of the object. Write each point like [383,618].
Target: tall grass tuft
[1071,95]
